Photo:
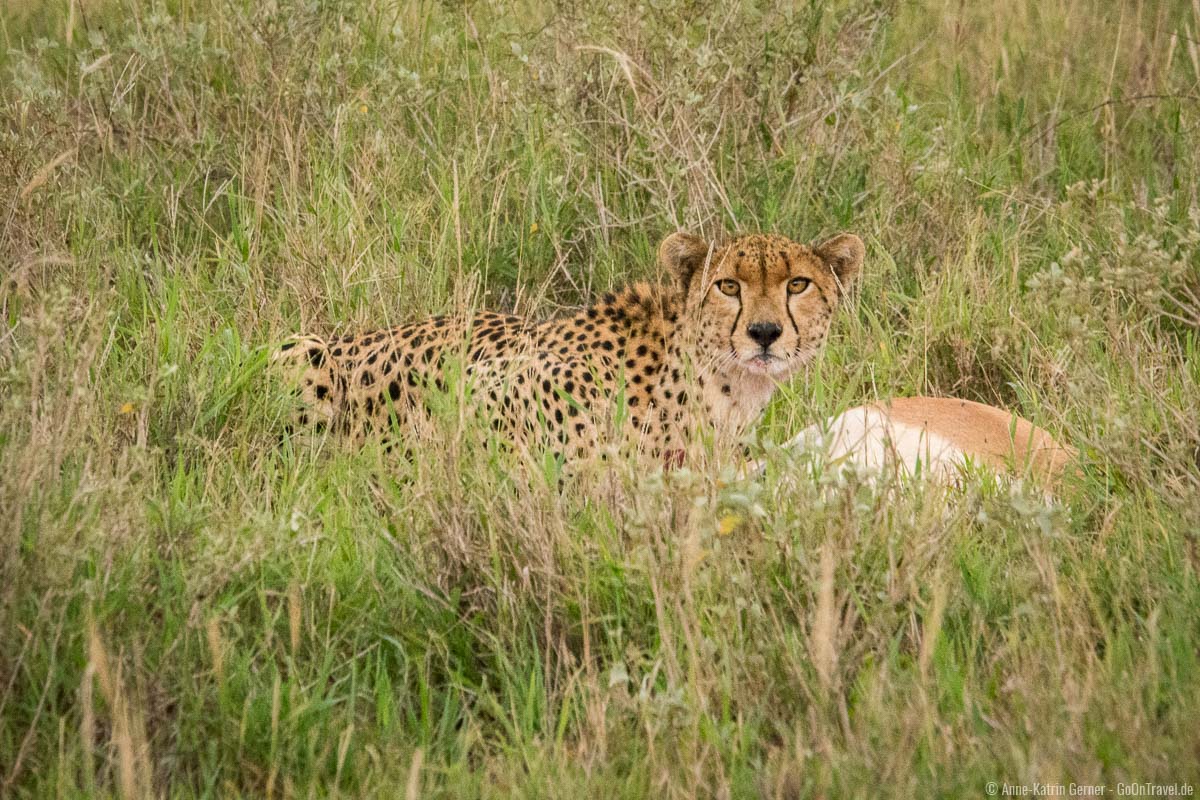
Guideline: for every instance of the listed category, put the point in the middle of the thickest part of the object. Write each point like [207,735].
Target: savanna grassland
[193,605]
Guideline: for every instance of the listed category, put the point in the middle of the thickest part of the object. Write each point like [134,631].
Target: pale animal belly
[875,443]
[933,437]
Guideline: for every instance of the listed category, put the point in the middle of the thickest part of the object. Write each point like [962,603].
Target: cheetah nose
[765,333]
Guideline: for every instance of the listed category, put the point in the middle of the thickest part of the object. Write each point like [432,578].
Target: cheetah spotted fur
[648,365]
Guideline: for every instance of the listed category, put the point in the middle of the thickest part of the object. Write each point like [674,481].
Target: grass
[188,608]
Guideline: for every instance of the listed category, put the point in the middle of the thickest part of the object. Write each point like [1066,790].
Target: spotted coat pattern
[644,366]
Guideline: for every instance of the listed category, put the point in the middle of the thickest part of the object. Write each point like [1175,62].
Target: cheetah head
[761,305]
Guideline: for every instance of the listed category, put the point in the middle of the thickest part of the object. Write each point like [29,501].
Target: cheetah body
[645,366]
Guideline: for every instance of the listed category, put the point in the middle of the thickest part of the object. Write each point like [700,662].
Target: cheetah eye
[798,285]
[729,287]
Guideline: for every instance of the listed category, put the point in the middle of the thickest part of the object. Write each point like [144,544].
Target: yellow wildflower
[728,524]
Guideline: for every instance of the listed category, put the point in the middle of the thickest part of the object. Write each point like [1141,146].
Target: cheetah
[647,366]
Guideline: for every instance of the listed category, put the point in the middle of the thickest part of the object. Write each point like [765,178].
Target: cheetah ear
[844,254]
[683,255]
